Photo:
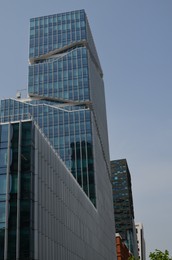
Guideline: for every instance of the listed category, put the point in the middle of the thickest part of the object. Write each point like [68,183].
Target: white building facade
[141,241]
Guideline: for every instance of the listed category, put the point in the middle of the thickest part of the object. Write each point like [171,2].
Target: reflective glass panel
[2,184]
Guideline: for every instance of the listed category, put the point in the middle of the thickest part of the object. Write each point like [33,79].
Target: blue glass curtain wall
[59,87]
[56,31]
[64,78]
[3,177]
[15,165]
[69,131]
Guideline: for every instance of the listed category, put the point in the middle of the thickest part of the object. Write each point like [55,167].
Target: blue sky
[134,43]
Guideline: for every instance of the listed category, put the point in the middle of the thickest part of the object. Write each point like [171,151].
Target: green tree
[133,258]
[159,255]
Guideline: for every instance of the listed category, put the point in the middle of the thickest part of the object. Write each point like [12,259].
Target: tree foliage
[159,255]
[133,258]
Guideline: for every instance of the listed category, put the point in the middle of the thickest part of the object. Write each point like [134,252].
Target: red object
[122,250]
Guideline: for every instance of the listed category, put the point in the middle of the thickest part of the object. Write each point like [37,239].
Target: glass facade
[56,31]
[64,76]
[3,179]
[55,188]
[15,198]
[123,203]
[68,130]
[61,54]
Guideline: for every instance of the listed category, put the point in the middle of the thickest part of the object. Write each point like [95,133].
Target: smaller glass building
[123,204]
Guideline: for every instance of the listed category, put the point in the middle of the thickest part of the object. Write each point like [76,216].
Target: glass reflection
[2,212]
[2,184]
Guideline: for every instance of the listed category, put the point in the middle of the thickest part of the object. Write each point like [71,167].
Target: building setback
[123,204]
[55,189]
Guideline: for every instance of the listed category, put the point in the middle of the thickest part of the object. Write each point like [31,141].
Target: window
[2,184]
[2,212]
[3,157]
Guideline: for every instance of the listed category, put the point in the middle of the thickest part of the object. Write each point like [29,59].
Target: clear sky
[134,42]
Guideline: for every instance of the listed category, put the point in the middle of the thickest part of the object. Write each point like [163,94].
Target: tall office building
[141,241]
[55,189]
[123,204]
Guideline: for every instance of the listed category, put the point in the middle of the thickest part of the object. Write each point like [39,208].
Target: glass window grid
[57,80]
[46,35]
[3,170]
[72,83]
[63,128]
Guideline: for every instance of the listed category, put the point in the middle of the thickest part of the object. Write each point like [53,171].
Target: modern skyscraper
[123,204]
[55,191]
[141,241]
